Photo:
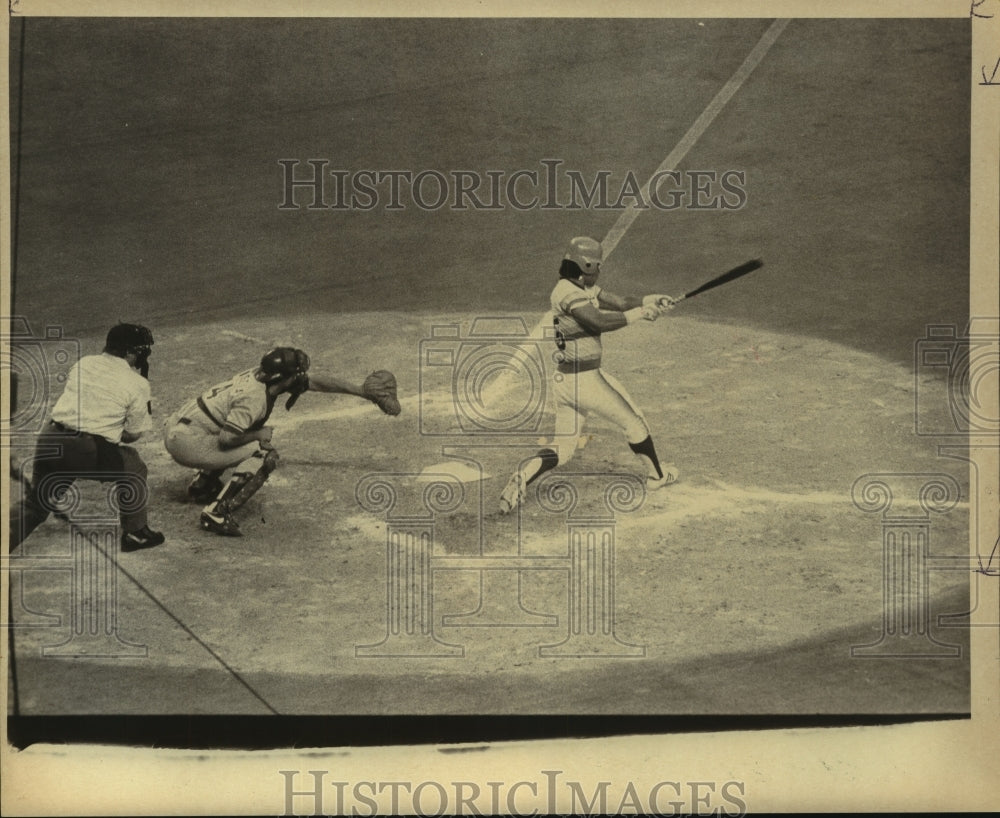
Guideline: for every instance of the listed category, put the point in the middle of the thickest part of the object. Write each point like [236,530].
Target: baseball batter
[225,427]
[582,311]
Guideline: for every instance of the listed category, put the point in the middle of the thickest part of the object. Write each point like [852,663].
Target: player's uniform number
[560,338]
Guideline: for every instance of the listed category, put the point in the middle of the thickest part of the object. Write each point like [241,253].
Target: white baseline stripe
[694,133]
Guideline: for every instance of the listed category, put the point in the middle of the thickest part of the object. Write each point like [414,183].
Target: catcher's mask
[585,254]
[287,362]
[135,339]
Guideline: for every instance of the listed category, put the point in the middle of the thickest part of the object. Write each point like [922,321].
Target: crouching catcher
[225,428]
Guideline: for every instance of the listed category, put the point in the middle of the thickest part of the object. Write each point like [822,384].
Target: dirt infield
[758,552]
[742,589]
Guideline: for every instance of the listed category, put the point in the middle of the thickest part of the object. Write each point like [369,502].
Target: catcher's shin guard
[247,479]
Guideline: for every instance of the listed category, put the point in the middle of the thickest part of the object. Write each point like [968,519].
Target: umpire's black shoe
[145,537]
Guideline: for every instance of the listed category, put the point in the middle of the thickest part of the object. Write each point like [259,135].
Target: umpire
[104,408]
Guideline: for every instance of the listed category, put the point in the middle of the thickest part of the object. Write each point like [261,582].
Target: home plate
[462,472]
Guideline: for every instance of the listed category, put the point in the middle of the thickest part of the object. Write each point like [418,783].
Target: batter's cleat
[670,476]
[513,494]
[145,537]
[222,524]
[204,488]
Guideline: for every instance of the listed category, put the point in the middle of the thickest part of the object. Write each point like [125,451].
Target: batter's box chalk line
[679,502]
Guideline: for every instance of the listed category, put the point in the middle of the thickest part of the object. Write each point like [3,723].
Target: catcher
[225,427]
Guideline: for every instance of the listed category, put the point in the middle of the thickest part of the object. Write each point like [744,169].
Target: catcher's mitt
[380,389]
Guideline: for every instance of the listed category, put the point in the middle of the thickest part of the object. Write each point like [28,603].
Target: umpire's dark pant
[65,452]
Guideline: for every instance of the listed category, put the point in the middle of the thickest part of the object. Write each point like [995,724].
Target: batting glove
[666,303]
[641,314]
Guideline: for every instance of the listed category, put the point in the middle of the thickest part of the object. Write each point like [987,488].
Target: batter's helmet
[586,253]
[284,362]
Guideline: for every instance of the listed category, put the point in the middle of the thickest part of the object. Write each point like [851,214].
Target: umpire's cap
[125,338]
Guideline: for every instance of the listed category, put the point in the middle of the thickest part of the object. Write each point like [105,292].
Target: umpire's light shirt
[115,398]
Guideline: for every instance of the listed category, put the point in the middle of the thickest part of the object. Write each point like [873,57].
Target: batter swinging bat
[732,275]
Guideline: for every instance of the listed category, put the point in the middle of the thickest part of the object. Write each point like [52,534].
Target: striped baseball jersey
[104,396]
[579,347]
[238,405]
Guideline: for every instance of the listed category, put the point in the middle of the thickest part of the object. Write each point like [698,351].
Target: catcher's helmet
[283,362]
[125,338]
[586,253]
[287,362]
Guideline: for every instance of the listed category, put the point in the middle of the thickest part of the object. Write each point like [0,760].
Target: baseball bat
[732,275]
